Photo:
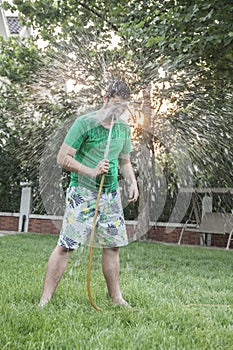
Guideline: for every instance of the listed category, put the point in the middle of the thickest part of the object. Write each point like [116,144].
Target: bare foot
[120,301]
[43,302]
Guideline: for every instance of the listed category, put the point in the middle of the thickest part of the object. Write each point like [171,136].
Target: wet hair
[118,88]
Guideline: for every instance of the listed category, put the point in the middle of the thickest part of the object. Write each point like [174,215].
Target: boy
[82,153]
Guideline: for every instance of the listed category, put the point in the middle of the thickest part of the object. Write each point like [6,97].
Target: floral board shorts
[78,219]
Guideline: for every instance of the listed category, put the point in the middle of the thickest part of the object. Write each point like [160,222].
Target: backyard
[181,298]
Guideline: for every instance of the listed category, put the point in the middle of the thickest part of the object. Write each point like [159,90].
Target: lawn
[182,298]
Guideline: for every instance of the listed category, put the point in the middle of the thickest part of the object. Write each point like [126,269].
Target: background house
[9,25]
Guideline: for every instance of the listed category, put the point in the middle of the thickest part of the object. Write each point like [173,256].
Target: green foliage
[180,299]
[20,60]
[171,28]
[184,33]
[28,121]
[210,140]
[191,42]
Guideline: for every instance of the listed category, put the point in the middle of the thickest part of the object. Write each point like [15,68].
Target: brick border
[162,232]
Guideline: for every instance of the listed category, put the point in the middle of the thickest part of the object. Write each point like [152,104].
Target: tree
[191,43]
[27,120]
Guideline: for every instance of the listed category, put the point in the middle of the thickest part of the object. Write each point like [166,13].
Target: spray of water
[181,141]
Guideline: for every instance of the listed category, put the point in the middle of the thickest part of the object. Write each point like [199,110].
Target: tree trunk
[144,168]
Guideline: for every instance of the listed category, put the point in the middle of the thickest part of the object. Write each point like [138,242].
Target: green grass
[182,298]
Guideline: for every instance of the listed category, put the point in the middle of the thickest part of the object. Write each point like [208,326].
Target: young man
[82,153]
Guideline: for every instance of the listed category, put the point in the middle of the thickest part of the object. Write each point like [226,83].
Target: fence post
[25,206]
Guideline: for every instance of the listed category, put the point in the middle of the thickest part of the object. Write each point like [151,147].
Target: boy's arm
[126,170]
[65,159]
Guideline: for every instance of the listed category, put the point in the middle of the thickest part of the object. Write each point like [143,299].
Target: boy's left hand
[133,192]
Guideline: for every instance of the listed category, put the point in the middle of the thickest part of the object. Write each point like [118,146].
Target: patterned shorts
[78,219]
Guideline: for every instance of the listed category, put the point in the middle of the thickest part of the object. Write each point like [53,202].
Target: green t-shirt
[89,137]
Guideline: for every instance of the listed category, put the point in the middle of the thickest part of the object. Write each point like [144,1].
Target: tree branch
[98,15]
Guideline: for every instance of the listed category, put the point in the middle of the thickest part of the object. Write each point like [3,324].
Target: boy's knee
[111,250]
[115,249]
[63,250]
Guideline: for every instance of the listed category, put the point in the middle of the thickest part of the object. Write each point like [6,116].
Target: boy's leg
[111,271]
[55,269]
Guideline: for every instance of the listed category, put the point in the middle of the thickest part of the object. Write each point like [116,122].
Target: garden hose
[91,246]
[94,222]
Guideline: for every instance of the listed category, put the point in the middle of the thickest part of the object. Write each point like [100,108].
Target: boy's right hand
[101,168]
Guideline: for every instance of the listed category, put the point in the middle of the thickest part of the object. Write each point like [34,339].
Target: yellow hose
[94,223]
[91,246]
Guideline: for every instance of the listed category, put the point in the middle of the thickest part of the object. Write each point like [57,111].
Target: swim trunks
[78,219]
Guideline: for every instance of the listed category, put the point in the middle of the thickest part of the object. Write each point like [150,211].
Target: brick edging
[160,232]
